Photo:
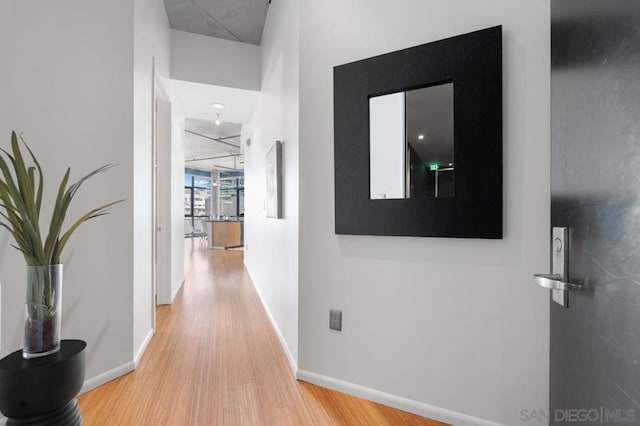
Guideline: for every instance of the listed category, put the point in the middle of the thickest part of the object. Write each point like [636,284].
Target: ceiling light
[420,136]
[217,122]
[219,106]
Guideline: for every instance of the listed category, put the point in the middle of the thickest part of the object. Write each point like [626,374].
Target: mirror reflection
[412,144]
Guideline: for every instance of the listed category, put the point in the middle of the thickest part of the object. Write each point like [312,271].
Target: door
[595,193]
[162,200]
[154,212]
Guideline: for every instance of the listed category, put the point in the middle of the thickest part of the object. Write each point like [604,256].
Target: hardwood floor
[215,360]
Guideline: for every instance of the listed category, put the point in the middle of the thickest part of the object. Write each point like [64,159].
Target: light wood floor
[215,360]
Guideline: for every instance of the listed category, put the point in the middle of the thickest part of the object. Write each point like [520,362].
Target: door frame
[159,93]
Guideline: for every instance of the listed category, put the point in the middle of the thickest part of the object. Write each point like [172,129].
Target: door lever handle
[553,282]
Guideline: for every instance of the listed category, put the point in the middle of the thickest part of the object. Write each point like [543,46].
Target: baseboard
[107,376]
[143,348]
[411,406]
[292,362]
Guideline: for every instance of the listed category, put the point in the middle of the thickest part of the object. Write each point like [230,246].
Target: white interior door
[162,199]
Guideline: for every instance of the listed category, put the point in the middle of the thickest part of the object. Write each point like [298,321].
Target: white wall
[177,205]
[214,61]
[66,82]
[271,254]
[453,323]
[151,40]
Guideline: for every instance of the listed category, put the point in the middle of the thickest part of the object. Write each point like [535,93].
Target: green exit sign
[433,167]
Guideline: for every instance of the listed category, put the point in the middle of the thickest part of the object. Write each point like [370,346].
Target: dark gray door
[595,192]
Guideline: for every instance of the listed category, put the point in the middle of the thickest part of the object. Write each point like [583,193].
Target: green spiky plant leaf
[21,192]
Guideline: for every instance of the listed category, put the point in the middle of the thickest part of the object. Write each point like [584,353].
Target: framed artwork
[273,169]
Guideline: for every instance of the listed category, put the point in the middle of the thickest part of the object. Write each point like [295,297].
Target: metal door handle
[553,282]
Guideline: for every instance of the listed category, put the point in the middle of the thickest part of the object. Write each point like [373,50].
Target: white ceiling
[195,100]
[203,138]
[237,20]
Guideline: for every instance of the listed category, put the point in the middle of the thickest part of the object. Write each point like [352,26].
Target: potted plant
[21,194]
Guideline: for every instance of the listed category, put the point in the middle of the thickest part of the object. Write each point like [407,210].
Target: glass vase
[43,311]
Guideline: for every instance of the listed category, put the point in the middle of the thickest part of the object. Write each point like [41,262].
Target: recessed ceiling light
[219,106]
[420,136]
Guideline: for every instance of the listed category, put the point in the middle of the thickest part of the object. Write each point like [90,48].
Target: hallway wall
[80,89]
[215,61]
[151,40]
[66,82]
[453,324]
[271,245]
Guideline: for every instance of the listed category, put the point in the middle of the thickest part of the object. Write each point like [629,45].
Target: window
[197,194]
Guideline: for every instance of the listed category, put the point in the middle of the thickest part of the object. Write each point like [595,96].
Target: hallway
[216,360]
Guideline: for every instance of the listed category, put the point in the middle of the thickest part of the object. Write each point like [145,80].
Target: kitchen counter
[224,233]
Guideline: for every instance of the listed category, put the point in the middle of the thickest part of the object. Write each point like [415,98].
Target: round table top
[68,349]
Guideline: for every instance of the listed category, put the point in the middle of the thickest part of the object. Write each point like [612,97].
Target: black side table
[42,391]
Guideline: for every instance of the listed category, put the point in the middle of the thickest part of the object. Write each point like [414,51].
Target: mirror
[411,145]
[418,140]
